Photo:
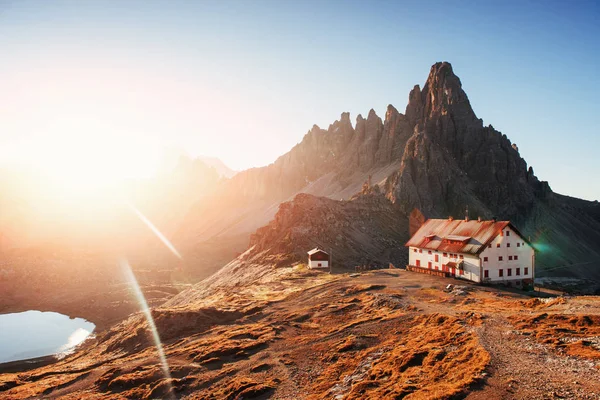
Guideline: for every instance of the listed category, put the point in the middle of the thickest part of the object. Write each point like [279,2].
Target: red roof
[458,236]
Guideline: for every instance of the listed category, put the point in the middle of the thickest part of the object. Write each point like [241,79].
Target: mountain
[35,213]
[223,170]
[366,230]
[436,158]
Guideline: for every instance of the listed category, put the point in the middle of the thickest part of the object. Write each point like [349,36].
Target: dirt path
[521,368]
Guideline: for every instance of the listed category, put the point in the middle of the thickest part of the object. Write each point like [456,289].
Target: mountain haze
[222,169]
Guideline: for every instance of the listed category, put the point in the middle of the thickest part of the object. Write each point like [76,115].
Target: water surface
[33,334]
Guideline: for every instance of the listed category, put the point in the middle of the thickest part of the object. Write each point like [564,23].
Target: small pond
[32,334]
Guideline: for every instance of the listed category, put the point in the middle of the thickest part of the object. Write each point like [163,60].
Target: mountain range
[360,183]
[436,160]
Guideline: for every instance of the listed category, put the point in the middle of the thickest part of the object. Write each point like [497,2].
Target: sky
[110,84]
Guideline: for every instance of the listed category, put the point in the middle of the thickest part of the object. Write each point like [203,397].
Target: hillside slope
[367,230]
[292,333]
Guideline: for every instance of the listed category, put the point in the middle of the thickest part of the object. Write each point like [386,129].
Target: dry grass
[354,289]
[323,338]
[576,335]
[426,357]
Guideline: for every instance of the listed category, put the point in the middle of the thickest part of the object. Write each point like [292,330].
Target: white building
[318,258]
[480,251]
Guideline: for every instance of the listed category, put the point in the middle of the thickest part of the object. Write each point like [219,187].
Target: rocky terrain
[263,331]
[367,230]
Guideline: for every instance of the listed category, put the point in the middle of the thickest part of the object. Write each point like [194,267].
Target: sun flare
[78,163]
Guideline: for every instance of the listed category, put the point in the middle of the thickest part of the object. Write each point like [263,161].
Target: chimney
[493,219]
[451,218]
[467,213]
[478,219]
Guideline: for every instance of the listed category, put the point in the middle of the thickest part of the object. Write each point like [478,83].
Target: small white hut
[318,258]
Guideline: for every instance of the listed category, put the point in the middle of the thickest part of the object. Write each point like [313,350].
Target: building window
[497,244]
[518,272]
[518,244]
[429,252]
[526,271]
[445,254]
[522,243]
[415,250]
[429,265]
[499,258]
[509,272]
[461,257]
[510,258]
[507,244]
[486,273]
[462,271]
[319,265]
[420,251]
[501,273]
[485,259]
[490,245]
[516,257]
[437,258]
[507,233]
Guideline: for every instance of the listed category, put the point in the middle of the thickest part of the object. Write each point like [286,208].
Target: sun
[78,164]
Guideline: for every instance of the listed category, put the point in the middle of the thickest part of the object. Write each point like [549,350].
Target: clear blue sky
[245,80]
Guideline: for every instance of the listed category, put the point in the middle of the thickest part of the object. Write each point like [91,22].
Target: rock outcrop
[452,160]
[367,230]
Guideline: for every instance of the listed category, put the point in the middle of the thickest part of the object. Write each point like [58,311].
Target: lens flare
[146,310]
[541,247]
[154,229]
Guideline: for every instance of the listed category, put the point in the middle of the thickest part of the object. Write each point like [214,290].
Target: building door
[418,263]
[453,271]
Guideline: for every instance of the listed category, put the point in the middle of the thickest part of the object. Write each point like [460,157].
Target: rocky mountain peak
[345,118]
[414,108]
[343,124]
[391,111]
[315,128]
[443,93]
